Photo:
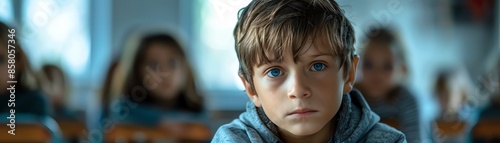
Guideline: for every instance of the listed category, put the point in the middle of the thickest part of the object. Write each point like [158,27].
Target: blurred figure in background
[493,110]
[55,87]
[488,125]
[383,69]
[160,86]
[28,98]
[492,83]
[455,117]
[109,88]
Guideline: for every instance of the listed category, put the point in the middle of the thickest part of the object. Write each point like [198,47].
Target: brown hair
[267,27]
[25,77]
[49,75]
[107,90]
[188,98]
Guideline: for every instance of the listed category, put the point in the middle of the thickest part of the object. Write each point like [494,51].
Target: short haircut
[268,27]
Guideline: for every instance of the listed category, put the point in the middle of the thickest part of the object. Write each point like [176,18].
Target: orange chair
[451,128]
[135,133]
[391,122]
[30,128]
[487,129]
[26,133]
[72,129]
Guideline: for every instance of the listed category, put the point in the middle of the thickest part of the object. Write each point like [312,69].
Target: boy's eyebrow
[270,62]
[320,54]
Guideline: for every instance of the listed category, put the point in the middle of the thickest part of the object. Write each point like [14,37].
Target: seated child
[298,66]
[453,93]
[160,88]
[108,89]
[383,70]
[56,88]
[26,97]
[490,85]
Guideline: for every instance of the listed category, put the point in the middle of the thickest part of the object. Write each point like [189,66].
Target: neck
[322,136]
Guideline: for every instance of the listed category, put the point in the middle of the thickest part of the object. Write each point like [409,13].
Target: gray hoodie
[356,123]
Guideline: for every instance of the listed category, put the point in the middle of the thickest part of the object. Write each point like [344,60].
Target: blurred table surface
[487,129]
[72,129]
[25,133]
[128,132]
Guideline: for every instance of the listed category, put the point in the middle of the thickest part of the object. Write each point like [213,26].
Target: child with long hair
[383,69]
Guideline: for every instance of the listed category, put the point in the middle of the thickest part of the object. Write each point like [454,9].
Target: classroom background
[84,38]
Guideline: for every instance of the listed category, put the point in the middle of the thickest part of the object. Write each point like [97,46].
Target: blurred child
[383,69]
[491,83]
[453,91]
[161,86]
[26,96]
[298,66]
[487,98]
[55,87]
[107,89]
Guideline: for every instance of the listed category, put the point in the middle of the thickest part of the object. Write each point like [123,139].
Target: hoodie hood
[355,123]
[355,118]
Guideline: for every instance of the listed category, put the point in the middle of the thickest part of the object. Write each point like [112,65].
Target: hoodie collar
[354,120]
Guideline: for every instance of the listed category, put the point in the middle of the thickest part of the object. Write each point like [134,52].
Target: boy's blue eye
[274,72]
[318,67]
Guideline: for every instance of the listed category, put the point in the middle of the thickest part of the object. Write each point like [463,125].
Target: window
[57,32]
[215,58]
[6,13]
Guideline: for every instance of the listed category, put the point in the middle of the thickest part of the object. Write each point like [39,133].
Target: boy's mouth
[302,112]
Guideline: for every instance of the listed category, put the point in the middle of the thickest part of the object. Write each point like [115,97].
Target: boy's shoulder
[249,127]
[237,131]
[233,132]
[362,124]
[381,132]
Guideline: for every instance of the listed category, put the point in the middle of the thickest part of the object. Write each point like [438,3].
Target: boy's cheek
[269,84]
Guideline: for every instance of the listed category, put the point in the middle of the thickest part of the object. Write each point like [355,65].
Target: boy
[298,66]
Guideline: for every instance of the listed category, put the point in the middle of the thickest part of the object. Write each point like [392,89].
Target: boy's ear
[250,92]
[351,76]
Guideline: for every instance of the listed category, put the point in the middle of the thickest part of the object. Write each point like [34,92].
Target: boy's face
[301,97]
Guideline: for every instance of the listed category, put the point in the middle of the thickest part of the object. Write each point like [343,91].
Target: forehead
[313,45]
[313,48]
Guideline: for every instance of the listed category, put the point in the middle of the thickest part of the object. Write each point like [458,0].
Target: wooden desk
[72,129]
[25,133]
[130,133]
[487,129]
[451,128]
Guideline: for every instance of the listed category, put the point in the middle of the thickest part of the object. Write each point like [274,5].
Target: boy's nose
[298,87]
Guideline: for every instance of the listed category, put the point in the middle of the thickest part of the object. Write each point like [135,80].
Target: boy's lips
[302,112]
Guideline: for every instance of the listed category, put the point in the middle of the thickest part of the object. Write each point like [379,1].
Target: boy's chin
[305,129]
